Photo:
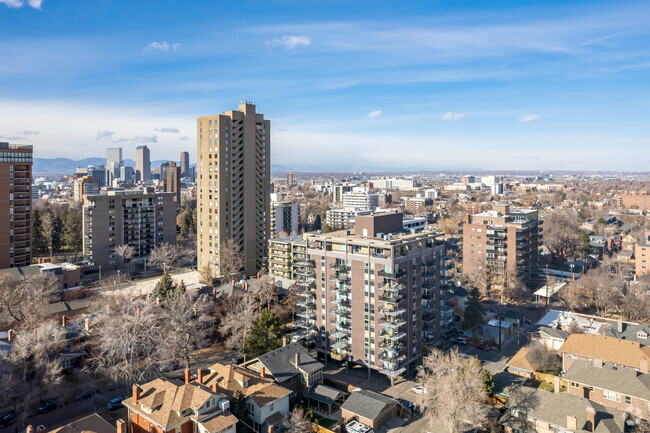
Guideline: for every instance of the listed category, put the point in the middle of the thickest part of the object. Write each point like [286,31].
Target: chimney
[571,423]
[262,371]
[87,323]
[605,330]
[284,341]
[29,429]
[246,287]
[41,429]
[137,312]
[187,375]
[64,320]
[270,429]
[598,362]
[591,419]
[297,359]
[199,375]
[215,386]
[619,325]
[157,301]
[121,426]
[136,393]
[643,365]
[10,335]
[556,384]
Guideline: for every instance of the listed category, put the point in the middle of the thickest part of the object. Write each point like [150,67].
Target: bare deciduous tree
[268,291]
[163,255]
[231,261]
[236,324]
[185,325]
[124,253]
[128,339]
[297,421]
[561,232]
[455,391]
[543,358]
[26,301]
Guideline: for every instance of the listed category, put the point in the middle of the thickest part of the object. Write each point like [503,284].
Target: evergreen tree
[585,243]
[265,335]
[164,287]
[72,229]
[317,222]
[39,245]
[238,406]
[473,309]
[327,228]
[188,228]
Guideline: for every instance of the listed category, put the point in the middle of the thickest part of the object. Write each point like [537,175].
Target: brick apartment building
[502,242]
[375,293]
[15,205]
[143,219]
[642,257]
[634,200]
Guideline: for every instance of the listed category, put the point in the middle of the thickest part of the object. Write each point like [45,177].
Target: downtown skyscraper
[233,179]
[142,164]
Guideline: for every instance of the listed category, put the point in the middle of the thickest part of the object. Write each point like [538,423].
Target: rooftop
[88,424]
[367,404]
[608,349]
[618,379]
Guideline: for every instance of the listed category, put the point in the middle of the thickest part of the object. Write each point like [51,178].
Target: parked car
[419,389]
[115,403]
[460,340]
[47,406]
[86,393]
[168,366]
[296,338]
[7,419]
[483,346]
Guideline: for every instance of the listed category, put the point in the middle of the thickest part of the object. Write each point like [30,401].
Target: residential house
[550,337]
[614,351]
[171,406]
[290,366]
[267,403]
[369,408]
[536,410]
[89,424]
[621,388]
[522,364]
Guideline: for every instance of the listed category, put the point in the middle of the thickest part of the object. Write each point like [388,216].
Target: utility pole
[500,316]
[546,288]
[517,335]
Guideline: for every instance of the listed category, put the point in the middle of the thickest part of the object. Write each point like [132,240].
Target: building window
[613,396]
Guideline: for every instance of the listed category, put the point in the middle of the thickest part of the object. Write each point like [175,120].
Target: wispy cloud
[161,46]
[529,117]
[11,137]
[375,113]
[291,42]
[30,132]
[452,117]
[184,138]
[104,134]
[167,129]
[153,138]
[36,4]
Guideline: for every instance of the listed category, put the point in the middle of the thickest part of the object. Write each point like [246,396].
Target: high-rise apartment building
[142,164]
[171,174]
[15,205]
[642,256]
[233,179]
[361,200]
[502,243]
[143,219]
[290,179]
[114,160]
[338,190]
[84,186]
[288,258]
[375,293]
[185,164]
[284,218]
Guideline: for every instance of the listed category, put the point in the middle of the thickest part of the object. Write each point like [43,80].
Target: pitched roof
[165,399]
[609,349]
[623,380]
[551,332]
[231,378]
[521,361]
[88,424]
[324,394]
[367,404]
[554,408]
[281,362]
[631,332]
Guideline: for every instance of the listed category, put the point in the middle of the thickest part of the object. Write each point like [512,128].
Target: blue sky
[347,85]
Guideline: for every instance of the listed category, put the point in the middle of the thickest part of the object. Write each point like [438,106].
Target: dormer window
[642,334]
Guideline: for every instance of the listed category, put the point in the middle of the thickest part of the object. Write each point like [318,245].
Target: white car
[296,338]
[419,389]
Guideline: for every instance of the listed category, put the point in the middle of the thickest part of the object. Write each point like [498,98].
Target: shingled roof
[609,349]
[626,381]
[367,404]
[281,362]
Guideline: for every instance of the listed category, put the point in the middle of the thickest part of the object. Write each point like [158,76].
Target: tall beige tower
[233,178]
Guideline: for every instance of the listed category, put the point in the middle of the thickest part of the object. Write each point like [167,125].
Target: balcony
[392,276]
[393,323]
[394,336]
[393,300]
[392,312]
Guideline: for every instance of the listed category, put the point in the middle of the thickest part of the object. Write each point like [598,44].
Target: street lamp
[100,273]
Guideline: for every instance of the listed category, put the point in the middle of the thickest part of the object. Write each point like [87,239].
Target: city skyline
[417,86]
